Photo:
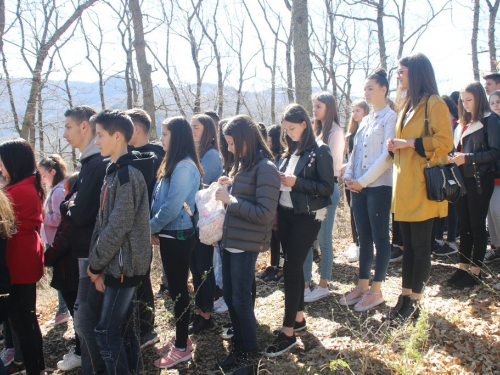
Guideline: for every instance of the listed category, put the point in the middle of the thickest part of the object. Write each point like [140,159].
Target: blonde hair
[353,124]
[7,217]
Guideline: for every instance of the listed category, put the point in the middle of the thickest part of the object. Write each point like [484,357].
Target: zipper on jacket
[307,200]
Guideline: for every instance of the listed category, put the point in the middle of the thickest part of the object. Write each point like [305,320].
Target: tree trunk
[493,9]
[380,32]
[302,60]
[41,55]
[475,30]
[143,66]
[40,124]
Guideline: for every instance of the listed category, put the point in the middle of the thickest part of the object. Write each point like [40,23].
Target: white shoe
[60,318]
[317,294]
[69,362]
[352,253]
[220,306]
[307,291]
[453,245]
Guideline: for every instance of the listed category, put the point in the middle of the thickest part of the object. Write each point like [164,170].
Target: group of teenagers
[279,187]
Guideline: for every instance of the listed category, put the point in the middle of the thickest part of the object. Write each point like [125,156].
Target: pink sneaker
[369,300]
[173,357]
[353,297]
[166,348]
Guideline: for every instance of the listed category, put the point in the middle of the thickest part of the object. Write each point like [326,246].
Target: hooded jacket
[156,149]
[83,210]
[121,242]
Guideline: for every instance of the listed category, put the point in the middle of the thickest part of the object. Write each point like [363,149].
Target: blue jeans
[372,213]
[325,236]
[117,332]
[87,309]
[452,223]
[238,272]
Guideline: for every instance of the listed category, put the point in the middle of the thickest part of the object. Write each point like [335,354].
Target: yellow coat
[409,197]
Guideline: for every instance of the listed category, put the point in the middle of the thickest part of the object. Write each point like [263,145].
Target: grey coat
[121,242]
[249,216]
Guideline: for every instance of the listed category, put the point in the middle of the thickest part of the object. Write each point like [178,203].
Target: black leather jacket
[481,148]
[315,180]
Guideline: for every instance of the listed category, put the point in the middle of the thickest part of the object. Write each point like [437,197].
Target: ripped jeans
[117,332]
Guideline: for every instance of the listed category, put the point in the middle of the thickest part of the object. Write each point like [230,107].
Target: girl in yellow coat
[412,147]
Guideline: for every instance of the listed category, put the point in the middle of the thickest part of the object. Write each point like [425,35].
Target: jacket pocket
[419,164]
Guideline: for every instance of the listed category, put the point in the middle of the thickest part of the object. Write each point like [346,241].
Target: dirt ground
[458,333]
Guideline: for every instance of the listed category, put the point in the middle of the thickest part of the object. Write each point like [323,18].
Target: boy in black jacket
[120,253]
[79,131]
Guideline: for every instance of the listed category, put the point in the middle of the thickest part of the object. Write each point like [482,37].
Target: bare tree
[46,38]
[475,32]
[143,66]
[302,60]
[493,11]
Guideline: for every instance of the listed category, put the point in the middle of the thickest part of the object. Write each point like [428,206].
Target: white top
[235,251]
[285,198]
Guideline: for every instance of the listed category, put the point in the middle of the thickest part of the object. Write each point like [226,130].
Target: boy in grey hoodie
[119,253]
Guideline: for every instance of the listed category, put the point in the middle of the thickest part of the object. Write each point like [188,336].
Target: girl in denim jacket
[179,178]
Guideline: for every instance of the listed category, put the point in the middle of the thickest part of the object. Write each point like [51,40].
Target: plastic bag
[211,214]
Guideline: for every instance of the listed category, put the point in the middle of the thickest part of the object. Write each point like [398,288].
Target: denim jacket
[212,166]
[370,162]
[169,195]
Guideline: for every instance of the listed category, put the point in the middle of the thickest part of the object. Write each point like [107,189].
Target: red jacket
[24,249]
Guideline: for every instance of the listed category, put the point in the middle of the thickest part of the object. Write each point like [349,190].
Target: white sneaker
[307,291]
[352,253]
[69,362]
[59,319]
[317,294]
[453,245]
[220,306]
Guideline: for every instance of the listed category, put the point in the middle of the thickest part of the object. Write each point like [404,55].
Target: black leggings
[472,209]
[275,248]
[23,321]
[146,304]
[70,299]
[175,257]
[417,239]
[353,223]
[297,234]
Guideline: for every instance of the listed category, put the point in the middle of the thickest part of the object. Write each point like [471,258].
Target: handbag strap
[426,121]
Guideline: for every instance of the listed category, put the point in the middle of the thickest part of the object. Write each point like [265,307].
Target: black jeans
[451,222]
[297,234]
[353,223]
[202,269]
[175,256]
[275,248]
[417,239]
[472,209]
[11,341]
[23,321]
[397,237]
[70,299]
[146,304]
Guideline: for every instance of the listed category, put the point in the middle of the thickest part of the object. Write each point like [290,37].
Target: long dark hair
[209,136]
[274,132]
[181,147]
[297,114]
[227,157]
[56,163]
[244,130]
[452,106]
[421,79]
[481,104]
[323,128]
[19,160]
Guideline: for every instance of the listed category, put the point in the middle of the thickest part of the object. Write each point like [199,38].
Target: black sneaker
[394,312]
[163,292]
[271,275]
[281,281]
[228,334]
[200,324]
[229,361]
[147,339]
[280,345]
[299,326]
[492,255]
[264,274]
[411,310]
[444,250]
[467,281]
[457,275]
[15,368]
[396,254]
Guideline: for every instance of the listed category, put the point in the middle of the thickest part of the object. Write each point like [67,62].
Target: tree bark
[41,55]
[144,67]
[380,32]
[475,31]
[302,61]
[493,10]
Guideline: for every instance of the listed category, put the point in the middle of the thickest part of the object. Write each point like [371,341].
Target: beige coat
[409,198]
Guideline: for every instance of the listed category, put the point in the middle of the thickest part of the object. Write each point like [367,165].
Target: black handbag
[443,182]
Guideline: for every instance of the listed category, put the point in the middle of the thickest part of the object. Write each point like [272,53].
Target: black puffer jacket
[249,216]
[315,180]
[481,146]
[59,256]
